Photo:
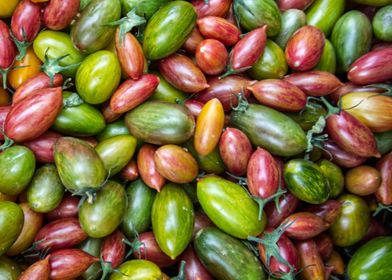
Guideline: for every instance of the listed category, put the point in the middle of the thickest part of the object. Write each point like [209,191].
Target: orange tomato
[4,97]
[7,7]
[370,108]
[209,127]
[32,64]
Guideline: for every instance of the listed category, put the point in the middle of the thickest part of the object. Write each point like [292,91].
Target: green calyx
[127,23]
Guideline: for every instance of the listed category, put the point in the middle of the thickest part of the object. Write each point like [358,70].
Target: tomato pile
[197,140]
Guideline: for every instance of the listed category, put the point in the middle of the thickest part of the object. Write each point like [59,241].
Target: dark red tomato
[25,24]
[60,234]
[373,67]
[194,107]
[4,110]
[131,94]
[42,146]
[194,269]
[287,251]
[7,51]
[149,250]
[375,229]
[218,8]
[287,205]
[130,54]
[235,150]
[108,114]
[329,211]
[39,270]
[113,249]
[211,56]
[350,87]
[279,94]
[341,157]
[311,262]
[304,48]
[218,28]
[69,263]
[130,171]
[40,81]
[304,225]
[384,192]
[180,71]
[201,221]
[294,4]
[351,135]
[324,245]
[315,83]
[225,90]
[58,14]
[193,41]
[68,208]
[263,174]
[147,169]
[33,115]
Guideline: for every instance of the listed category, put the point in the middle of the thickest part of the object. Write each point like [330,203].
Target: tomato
[334,175]
[211,56]
[56,44]
[292,20]
[209,127]
[42,146]
[137,269]
[219,29]
[9,269]
[353,222]
[380,29]
[92,246]
[311,261]
[11,224]
[58,14]
[166,92]
[147,168]
[362,180]
[7,8]
[68,207]
[113,249]
[30,67]
[38,270]
[324,13]
[105,214]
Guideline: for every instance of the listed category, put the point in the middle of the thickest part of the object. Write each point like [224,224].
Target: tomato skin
[90,32]
[384,192]
[351,135]
[38,81]
[287,205]
[225,90]
[7,47]
[91,78]
[329,211]
[193,41]
[362,180]
[194,269]
[147,168]
[113,249]
[32,223]
[235,150]
[311,261]
[315,83]
[139,269]
[218,8]
[57,44]
[130,172]
[220,29]
[130,55]
[58,14]
[211,56]
[9,268]
[4,110]
[132,93]
[182,73]
[31,67]
[209,127]
[37,271]
[40,108]
[7,8]
[285,5]
[69,263]
[372,67]
[304,225]
[43,145]
[279,94]
[11,221]
[68,208]
[26,18]
[340,156]
[324,245]
[304,48]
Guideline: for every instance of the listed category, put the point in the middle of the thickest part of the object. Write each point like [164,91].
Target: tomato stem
[382,207]
[243,104]
[263,201]
[21,45]
[127,23]
[181,273]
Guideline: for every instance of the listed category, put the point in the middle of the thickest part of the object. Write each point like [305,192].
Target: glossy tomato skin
[31,117]
[31,67]
[362,180]
[340,156]
[69,263]
[26,21]
[304,225]
[294,4]
[130,172]
[334,175]
[79,166]
[324,13]
[38,270]
[219,253]
[235,150]
[287,205]
[60,234]
[217,8]
[147,168]
[329,211]
[384,192]
[17,165]
[304,48]
[240,218]
[56,44]
[211,56]
[11,220]
[113,248]
[67,208]
[132,93]
[42,146]
[90,32]
[310,260]
[91,78]
[371,260]
[137,216]
[353,222]
[150,251]
[9,268]
[58,14]
[194,269]
[38,81]
[193,41]
[139,269]
[104,215]
[7,47]
[172,220]
[32,223]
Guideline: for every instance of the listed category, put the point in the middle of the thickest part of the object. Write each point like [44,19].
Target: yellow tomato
[209,127]
[32,64]
[7,7]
